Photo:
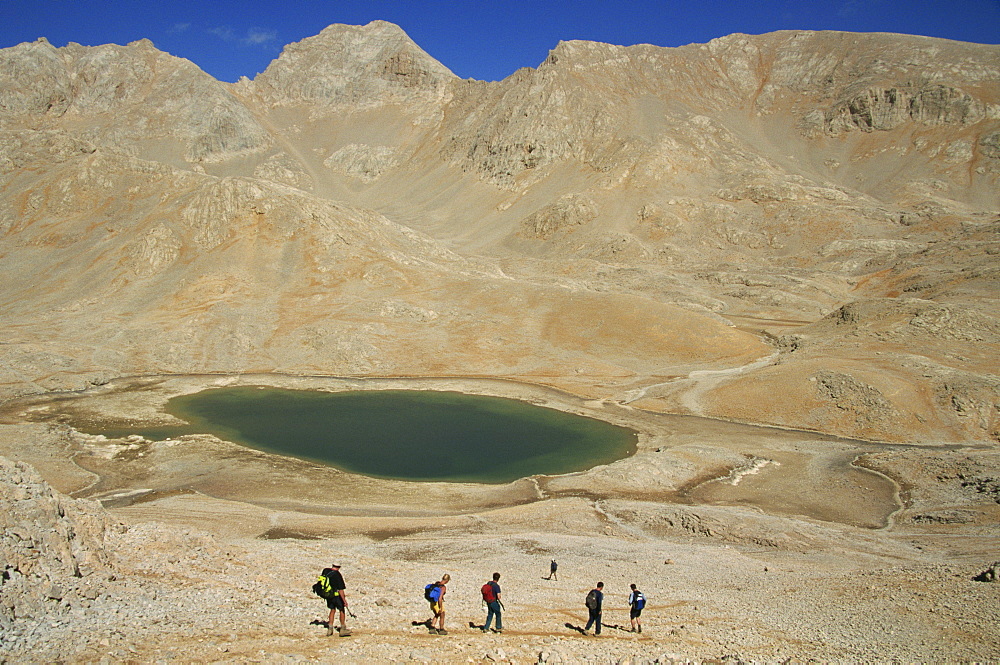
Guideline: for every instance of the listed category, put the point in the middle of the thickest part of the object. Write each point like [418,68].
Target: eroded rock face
[51,547]
[885,109]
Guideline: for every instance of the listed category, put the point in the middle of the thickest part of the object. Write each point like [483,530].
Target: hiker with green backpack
[331,587]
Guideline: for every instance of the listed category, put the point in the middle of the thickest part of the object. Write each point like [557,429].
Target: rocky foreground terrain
[775,257]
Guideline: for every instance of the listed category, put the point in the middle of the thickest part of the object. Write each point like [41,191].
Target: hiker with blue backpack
[434,593]
[636,602]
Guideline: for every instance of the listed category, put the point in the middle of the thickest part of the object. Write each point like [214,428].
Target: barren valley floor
[751,544]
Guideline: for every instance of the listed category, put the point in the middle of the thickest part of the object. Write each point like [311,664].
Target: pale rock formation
[570,210]
[881,109]
[51,547]
[357,67]
[365,162]
[127,95]
[285,169]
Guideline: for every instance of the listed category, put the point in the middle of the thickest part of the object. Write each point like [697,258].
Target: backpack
[488,595]
[591,600]
[639,600]
[432,592]
[322,587]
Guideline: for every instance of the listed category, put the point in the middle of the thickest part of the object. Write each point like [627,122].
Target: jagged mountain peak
[374,63]
[373,28]
[132,98]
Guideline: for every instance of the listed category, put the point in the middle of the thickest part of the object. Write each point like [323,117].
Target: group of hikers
[595,606]
[331,587]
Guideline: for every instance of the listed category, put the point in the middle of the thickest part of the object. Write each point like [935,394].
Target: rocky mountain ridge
[358,209]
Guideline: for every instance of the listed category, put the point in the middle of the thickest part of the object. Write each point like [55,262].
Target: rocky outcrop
[991,574]
[569,211]
[864,402]
[365,162]
[355,66]
[51,548]
[884,109]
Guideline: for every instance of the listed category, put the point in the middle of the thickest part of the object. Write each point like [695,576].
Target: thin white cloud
[177,28]
[253,36]
[223,32]
[258,36]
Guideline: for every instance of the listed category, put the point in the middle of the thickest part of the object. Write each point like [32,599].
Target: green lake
[404,434]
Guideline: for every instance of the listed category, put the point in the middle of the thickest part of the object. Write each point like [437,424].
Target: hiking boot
[498,631]
[640,629]
[432,630]
[329,631]
[345,632]
[442,631]
[485,630]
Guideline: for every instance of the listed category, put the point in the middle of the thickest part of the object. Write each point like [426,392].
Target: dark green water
[413,435]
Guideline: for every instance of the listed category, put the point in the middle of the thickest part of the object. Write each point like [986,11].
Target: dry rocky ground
[207,550]
[773,256]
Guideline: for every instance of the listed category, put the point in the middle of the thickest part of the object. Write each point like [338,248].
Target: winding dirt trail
[703,381]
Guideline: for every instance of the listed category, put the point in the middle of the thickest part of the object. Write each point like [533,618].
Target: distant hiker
[336,598]
[636,601]
[434,593]
[494,608]
[552,571]
[594,602]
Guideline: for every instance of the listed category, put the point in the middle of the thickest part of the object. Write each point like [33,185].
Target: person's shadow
[320,622]
[576,628]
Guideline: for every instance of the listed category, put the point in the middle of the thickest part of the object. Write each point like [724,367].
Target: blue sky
[483,40]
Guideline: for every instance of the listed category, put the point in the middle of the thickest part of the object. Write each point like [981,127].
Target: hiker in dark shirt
[552,571]
[337,602]
[595,601]
[494,608]
[636,601]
